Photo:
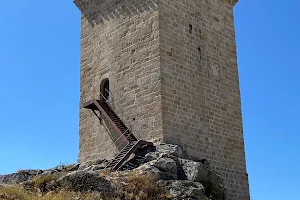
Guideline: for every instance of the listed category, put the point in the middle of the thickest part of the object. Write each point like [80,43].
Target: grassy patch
[130,186]
[141,187]
[17,192]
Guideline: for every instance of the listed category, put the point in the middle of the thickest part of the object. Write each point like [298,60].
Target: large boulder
[169,149]
[164,150]
[165,165]
[183,189]
[193,171]
[162,168]
[198,172]
[86,181]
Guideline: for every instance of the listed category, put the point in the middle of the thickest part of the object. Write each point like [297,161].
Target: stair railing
[109,149]
[107,101]
[116,105]
[99,107]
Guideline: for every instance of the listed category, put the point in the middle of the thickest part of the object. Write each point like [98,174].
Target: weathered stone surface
[98,167]
[163,169]
[168,149]
[164,150]
[182,189]
[83,181]
[19,177]
[73,167]
[198,172]
[49,172]
[194,171]
[164,165]
[173,75]
[151,156]
[89,164]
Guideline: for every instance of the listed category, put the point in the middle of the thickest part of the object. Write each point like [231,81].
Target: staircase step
[113,164]
[115,161]
[121,155]
[127,149]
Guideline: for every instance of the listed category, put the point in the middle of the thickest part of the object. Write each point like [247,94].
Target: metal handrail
[111,107]
[114,158]
[130,151]
[97,104]
[109,149]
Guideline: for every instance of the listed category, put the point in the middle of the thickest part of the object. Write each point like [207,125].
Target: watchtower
[162,70]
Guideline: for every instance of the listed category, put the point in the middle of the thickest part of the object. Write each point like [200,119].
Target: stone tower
[169,70]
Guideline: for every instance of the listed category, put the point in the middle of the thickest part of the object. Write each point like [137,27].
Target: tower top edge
[82,3]
[232,2]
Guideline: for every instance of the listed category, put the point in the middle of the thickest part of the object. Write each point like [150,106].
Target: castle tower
[168,69]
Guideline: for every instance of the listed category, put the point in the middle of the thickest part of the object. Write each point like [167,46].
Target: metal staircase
[132,143]
[118,122]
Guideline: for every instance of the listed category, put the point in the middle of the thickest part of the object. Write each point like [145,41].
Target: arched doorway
[105,89]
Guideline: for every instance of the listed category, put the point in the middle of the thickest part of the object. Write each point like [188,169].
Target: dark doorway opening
[105,91]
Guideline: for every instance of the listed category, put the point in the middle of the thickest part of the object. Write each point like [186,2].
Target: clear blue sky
[39,87]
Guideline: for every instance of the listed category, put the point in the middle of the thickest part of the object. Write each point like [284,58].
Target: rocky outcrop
[181,178]
[199,172]
[183,189]
[83,181]
[162,169]
[166,162]
[19,177]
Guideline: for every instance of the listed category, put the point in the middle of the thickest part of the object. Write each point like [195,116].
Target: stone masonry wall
[173,75]
[119,41]
[200,86]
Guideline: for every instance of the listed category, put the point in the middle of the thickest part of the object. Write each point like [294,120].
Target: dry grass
[17,192]
[130,186]
[141,187]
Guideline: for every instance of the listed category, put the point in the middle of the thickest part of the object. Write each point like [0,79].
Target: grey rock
[73,167]
[90,168]
[164,151]
[49,172]
[165,165]
[183,189]
[86,181]
[98,167]
[194,171]
[169,149]
[162,168]
[19,177]
[198,172]
[86,165]
[151,156]
[151,170]
[31,171]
